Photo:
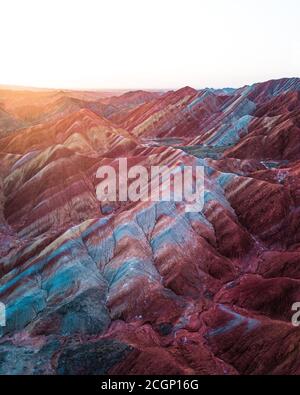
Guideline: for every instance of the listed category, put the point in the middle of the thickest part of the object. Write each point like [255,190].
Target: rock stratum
[144,287]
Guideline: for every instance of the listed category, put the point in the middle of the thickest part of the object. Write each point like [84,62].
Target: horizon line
[124,90]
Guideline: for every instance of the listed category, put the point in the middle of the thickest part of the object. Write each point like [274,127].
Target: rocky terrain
[144,287]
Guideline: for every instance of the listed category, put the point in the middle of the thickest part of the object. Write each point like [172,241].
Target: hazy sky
[148,44]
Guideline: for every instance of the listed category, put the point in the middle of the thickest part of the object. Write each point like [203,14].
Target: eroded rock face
[94,288]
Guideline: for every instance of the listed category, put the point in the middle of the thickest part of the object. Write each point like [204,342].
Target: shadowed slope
[95,288]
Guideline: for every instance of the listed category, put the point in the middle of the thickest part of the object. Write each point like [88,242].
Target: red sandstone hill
[97,288]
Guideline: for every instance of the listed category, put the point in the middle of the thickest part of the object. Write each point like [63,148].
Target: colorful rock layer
[146,288]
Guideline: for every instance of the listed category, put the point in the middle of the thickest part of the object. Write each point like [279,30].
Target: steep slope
[105,287]
[8,123]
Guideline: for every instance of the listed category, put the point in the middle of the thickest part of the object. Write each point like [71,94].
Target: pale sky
[130,44]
